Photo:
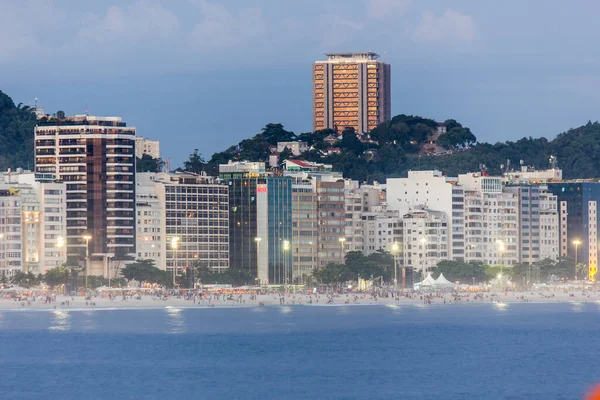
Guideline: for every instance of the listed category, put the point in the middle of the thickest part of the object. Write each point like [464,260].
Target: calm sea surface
[476,351]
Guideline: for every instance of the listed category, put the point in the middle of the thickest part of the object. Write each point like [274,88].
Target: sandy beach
[40,302]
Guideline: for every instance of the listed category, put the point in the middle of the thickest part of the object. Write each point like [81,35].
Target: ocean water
[470,351]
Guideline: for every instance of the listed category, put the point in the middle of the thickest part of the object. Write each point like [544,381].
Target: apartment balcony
[124,198]
[72,151]
[119,151]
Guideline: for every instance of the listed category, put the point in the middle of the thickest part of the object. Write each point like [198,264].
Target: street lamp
[342,242]
[286,247]
[395,249]
[257,240]
[501,250]
[576,242]
[174,245]
[60,243]
[87,239]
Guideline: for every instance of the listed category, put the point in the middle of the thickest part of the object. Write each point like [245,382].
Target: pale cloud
[384,8]
[450,26]
[27,25]
[220,27]
[114,20]
[140,21]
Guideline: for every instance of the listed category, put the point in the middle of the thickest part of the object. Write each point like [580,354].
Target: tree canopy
[17,123]
[396,149]
[146,271]
[357,265]
[148,164]
[195,163]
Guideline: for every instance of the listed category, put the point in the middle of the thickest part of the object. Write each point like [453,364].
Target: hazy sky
[206,73]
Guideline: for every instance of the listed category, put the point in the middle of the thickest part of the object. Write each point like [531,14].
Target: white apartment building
[150,241]
[549,227]
[531,175]
[491,221]
[147,146]
[353,226]
[431,190]
[296,148]
[425,239]
[536,237]
[380,232]
[32,223]
[194,220]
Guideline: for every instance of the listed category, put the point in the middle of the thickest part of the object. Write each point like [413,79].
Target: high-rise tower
[94,156]
[351,90]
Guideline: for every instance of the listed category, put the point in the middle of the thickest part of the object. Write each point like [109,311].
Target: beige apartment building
[351,90]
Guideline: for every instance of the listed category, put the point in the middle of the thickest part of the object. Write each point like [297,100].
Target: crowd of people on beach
[261,296]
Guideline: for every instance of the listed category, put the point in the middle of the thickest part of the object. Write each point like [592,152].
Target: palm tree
[582,270]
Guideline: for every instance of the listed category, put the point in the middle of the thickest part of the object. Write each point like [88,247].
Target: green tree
[286,154]
[231,276]
[332,273]
[465,273]
[145,271]
[350,142]
[582,271]
[149,164]
[57,276]
[17,123]
[195,163]
[493,271]
[19,278]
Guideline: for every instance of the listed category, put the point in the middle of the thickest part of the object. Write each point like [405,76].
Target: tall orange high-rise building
[351,90]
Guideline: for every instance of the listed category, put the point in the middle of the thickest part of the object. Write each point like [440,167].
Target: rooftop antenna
[36,99]
[86,110]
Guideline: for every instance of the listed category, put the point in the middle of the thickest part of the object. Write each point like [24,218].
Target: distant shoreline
[269,300]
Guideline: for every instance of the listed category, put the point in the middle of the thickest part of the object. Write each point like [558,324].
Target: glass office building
[260,221]
[577,203]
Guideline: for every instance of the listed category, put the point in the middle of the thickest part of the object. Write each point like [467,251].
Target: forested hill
[395,148]
[399,142]
[16,134]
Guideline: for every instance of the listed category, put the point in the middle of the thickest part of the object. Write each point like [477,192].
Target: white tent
[442,281]
[429,281]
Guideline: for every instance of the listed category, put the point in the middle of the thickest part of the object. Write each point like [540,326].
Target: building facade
[192,212]
[151,243]
[491,221]
[296,148]
[434,191]
[32,223]
[331,219]
[305,228]
[351,90]
[425,240]
[95,157]
[260,221]
[147,146]
[577,204]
